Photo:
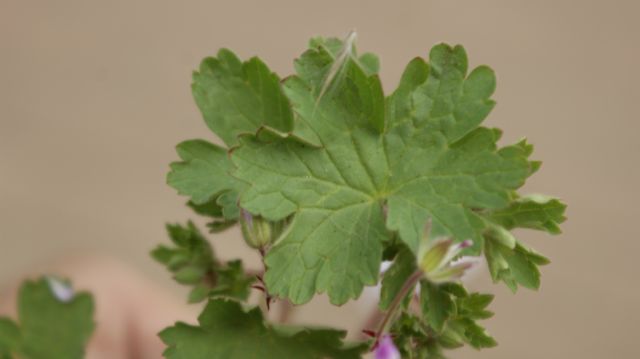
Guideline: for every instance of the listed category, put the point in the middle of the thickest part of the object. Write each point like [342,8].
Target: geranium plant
[328,178]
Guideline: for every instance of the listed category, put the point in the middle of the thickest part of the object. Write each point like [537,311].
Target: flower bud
[437,260]
[257,231]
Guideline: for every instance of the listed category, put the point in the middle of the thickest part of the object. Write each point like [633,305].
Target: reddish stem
[395,304]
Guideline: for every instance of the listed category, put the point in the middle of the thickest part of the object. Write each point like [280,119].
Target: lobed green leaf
[48,327]
[354,169]
[430,162]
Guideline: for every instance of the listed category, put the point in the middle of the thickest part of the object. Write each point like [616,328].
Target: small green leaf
[472,333]
[437,305]
[226,331]
[474,306]
[219,226]
[208,209]
[199,293]
[192,262]
[510,261]
[223,208]
[517,266]
[455,289]
[189,275]
[414,339]
[534,212]
[394,278]
[231,281]
[162,254]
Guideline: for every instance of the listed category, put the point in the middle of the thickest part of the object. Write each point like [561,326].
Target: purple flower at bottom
[386,349]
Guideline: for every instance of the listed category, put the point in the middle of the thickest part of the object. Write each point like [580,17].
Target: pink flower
[386,349]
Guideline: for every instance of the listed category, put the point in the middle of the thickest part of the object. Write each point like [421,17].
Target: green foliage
[509,260]
[448,320]
[327,177]
[332,176]
[414,339]
[227,331]
[48,327]
[9,337]
[239,97]
[192,262]
[515,266]
[452,313]
[534,211]
[394,278]
[437,305]
[348,153]
[203,174]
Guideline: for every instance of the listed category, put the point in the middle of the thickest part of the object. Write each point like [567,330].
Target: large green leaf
[227,331]
[424,158]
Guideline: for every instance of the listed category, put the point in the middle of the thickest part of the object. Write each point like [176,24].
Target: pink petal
[386,349]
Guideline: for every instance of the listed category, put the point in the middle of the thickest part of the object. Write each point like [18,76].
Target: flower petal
[386,349]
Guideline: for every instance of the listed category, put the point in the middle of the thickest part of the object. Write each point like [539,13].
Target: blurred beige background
[95,94]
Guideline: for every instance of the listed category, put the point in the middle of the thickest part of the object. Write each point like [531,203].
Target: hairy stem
[408,286]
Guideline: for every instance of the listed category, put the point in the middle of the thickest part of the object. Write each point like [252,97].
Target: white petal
[61,290]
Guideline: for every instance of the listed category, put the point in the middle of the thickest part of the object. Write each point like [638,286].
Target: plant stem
[406,287]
